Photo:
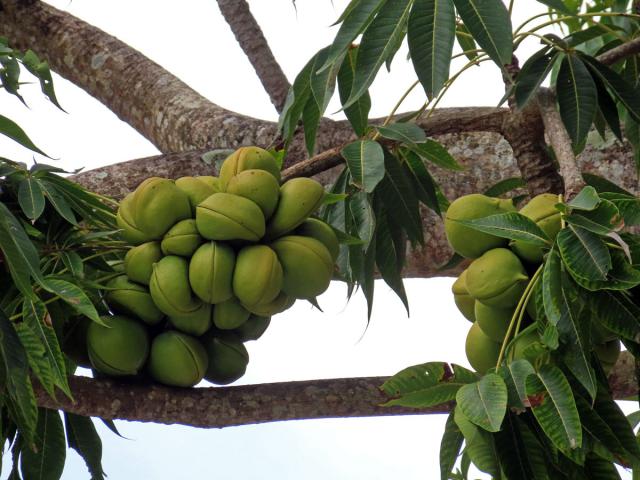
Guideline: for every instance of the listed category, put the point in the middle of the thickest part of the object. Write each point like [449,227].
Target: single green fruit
[306,263]
[482,352]
[211,272]
[257,278]
[182,239]
[138,262]
[541,209]
[247,158]
[120,348]
[126,221]
[527,346]
[465,240]
[74,340]
[228,359]
[170,288]
[177,359]
[212,181]
[229,314]
[497,278]
[157,205]
[608,354]
[258,186]
[494,321]
[196,322]
[321,231]
[196,189]
[278,305]
[253,328]
[129,298]
[299,198]
[224,216]
[462,299]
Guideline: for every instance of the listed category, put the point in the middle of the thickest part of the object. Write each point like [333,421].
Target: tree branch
[620,52]
[251,39]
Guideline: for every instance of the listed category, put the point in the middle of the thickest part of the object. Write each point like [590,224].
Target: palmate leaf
[577,97]
[557,5]
[480,445]
[484,402]
[358,112]
[604,219]
[587,199]
[387,257]
[365,159]
[554,407]
[84,439]
[58,201]
[426,188]
[11,129]
[584,253]
[627,205]
[30,198]
[450,446]
[598,468]
[35,352]
[408,133]
[431,34]
[362,217]
[608,108]
[512,225]
[489,23]
[466,42]
[46,461]
[617,313]
[622,275]
[73,295]
[515,453]
[435,153]
[378,43]
[297,98]
[515,374]
[533,73]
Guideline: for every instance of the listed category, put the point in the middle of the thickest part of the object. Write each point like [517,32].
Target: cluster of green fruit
[488,291]
[214,259]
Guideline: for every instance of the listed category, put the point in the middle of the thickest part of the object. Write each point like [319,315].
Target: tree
[188,121]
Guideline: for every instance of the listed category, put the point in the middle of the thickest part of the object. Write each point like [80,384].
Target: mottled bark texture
[250,38]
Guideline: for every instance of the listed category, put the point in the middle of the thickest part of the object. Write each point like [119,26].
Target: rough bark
[250,38]
[623,51]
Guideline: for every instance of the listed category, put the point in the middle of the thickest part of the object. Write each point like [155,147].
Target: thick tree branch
[249,35]
[621,52]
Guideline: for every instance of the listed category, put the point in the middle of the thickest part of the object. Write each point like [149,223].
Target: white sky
[195,44]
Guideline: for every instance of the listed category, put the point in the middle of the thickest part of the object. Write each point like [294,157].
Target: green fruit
[493,321]
[321,231]
[464,240]
[132,299]
[224,216]
[157,205]
[228,359]
[608,354]
[196,190]
[119,348]
[541,209]
[182,239]
[230,314]
[258,186]
[170,288]
[211,272]
[462,299]
[482,352]
[281,303]
[212,181]
[257,278]
[299,198]
[306,263]
[177,359]
[194,323]
[527,346]
[138,262]
[126,221]
[247,158]
[253,328]
[497,278]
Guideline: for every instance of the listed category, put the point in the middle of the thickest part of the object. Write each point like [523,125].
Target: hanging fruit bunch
[213,259]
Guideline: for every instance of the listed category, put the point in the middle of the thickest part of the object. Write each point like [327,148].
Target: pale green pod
[253,328]
[462,299]
[197,189]
[196,322]
[278,305]
[257,278]
[126,221]
[224,216]
[138,262]
[211,272]
[177,359]
[213,182]
[229,314]
[258,186]
[321,231]
[132,299]
[299,198]
[247,158]
[228,359]
[494,321]
[170,287]
[497,278]
[541,209]
[182,239]
[482,352]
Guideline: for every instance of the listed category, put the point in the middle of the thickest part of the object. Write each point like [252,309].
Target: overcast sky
[195,44]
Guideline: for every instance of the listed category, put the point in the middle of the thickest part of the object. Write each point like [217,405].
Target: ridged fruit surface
[497,278]
[306,263]
[129,298]
[257,278]
[253,328]
[224,216]
[211,272]
[541,209]
[120,348]
[462,299]
[482,352]
[196,322]
[177,359]
[126,221]
[258,186]
[138,262]
[299,198]
[321,231]
[182,239]
[229,314]
[247,158]
[228,359]
[170,287]
[196,189]
[278,305]
[465,240]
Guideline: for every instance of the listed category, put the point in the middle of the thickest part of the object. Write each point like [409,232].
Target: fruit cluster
[214,259]
[488,291]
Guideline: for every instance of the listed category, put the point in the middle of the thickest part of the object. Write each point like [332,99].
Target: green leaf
[377,44]
[84,439]
[30,198]
[436,154]
[362,218]
[577,98]
[584,253]
[515,374]
[358,112]
[431,34]
[58,202]
[604,219]
[557,5]
[611,414]
[489,23]
[310,120]
[597,468]
[627,205]
[484,402]
[297,98]
[46,461]
[408,133]
[513,451]
[73,261]
[466,42]
[450,446]
[387,259]
[554,407]
[511,225]
[357,18]
[365,159]
[12,130]
[73,295]
[608,108]
[602,185]
[587,199]
[617,313]
[35,352]
[425,184]
[532,74]
[505,186]
[479,445]
[19,253]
